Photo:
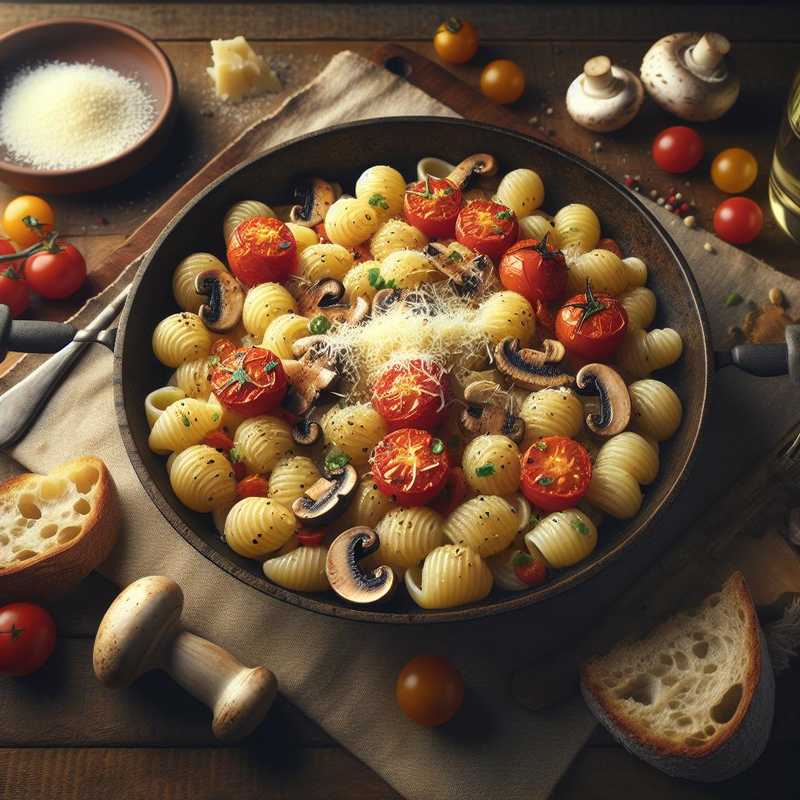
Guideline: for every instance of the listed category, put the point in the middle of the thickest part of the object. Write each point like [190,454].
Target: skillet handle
[766,360]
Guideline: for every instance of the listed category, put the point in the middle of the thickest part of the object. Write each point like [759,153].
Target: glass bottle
[784,178]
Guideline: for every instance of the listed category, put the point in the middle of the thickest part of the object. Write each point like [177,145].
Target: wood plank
[244,773]
[394,20]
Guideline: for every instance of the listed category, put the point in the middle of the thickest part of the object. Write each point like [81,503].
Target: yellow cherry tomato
[734,170]
[429,690]
[455,41]
[27,219]
[502,81]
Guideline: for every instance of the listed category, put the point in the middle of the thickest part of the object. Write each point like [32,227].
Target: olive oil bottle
[784,179]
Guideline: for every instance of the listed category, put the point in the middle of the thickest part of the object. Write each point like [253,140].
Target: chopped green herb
[521,559]
[733,299]
[455,256]
[233,455]
[213,360]
[545,480]
[375,279]
[239,376]
[580,526]
[215,417]
[507,214]
[437,446]
[319,324]
[390,284]
[541,446]
[336,460]
[284,245]
[186,421]
[378,201]
[270,365]
[484,470]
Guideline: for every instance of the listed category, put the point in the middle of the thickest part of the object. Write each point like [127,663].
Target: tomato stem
[591,307]
[49,244]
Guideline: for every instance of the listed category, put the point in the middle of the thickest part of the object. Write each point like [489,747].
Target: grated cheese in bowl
[67,116]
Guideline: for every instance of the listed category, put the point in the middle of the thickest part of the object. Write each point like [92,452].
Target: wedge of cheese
[238,72]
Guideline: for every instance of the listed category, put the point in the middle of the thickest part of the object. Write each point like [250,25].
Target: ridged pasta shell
[202,478]
[452,575]
[563,538]
[256,526]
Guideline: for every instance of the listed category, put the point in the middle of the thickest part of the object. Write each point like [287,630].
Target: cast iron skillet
[341,153]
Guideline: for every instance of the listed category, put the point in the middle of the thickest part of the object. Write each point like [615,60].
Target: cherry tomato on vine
[487,227]
[678,149]
[14,292]
[249,381]
[502,81]
[555,473]
[592,325]
[252,486]
[262,249]
[738,220]
[411,394]
[453,494]
[27,638]
[455,40]
[429,690]
[28,219]
[56,272]
[534,269]
[432,206]
[531,571]
[734,170]
[410,465]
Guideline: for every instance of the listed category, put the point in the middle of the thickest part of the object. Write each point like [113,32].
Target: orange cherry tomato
[536,270]
[592,325]
[734,170]
[262,249]
[556,472]
[738,220]
[252,486]
[455,41]
[487,227]
[432,206]
[502,81]
[429,690]
[28,219]
[249,381]
[411,394]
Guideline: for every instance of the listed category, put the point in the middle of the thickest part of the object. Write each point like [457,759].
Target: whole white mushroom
[604,97]
[688,74]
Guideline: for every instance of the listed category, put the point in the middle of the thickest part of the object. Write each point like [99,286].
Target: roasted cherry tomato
[453,494]
[738,220]
[432,206]
[310,538]
[411,394]
[410,465]
[14,291]
[678,149]
[262,249]
[429,690]
[455,41]
[360,252]
[249,381]
[487,227]
[27,638]
[223,347]
[531,571]
[56,272]
[734,170]
[502,81]
[319,229]
[611,246]
[28,219]
[544,315]
[219,440]
[252,486]
[534,269]
[555,473]
[591,325]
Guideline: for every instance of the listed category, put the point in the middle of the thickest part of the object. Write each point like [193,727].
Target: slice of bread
[696,697]
[55,528]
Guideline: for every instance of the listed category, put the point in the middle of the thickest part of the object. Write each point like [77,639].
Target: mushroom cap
[529,368]
[314,197]
[605,111]
[615,400]
[224,296]
[306,432]
[345,575]
[478,164]
[131,633]
[327,498]
[677,84]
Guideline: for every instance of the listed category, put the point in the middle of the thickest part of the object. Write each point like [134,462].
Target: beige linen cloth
[342,673]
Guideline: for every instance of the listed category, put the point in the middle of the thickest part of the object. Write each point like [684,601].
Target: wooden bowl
[342,153]
[108,44]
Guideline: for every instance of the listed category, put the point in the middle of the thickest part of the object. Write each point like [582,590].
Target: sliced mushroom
[467,277]
[224,299]
[532,369]
[487,412]
[307,377]
[615,401]
[412,299]
[314,198]
[476,165]
[327,498]
[322,299]
[345,575]
[306,431]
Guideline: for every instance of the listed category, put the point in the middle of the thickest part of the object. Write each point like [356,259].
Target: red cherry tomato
[223,347]
[219,440]
[432,207]
[262,249]
[27,638]
[611,246]
[319,229]
[535,270]
[531,571]
[591,325]
[309,538]
[410,465]
[453,494]
[678,149]
[56,273]
[738,220]
[487,227]
[411,394]
[14,291]
[249,381]
[252,486]
[429,690]
[555,473]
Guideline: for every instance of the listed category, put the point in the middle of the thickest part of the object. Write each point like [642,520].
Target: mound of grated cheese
[65,116]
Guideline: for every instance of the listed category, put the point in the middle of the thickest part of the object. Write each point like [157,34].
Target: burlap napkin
[342,674]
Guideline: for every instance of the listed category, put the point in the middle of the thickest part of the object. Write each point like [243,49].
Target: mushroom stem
[599,80]
[708,52]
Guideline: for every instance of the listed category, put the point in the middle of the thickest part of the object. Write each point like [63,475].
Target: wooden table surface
[63,735]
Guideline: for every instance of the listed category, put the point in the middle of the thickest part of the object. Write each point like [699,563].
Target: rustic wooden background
[61,734]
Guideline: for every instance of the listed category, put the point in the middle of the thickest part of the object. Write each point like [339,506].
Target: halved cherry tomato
[249,381]
[531,571]
[252,486]
[27,638]
[310,538]
[502,81]
[678,149]
[611,246]
[453,494]
[487,227]
[534,269]
[432,206]
[738,220]
[455,41]
[429,690]
[411,394]
[14,292]
[555,473]
[56,272]
[592,325]
[223,347]
[262,249]
[28,219]
[410,465]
